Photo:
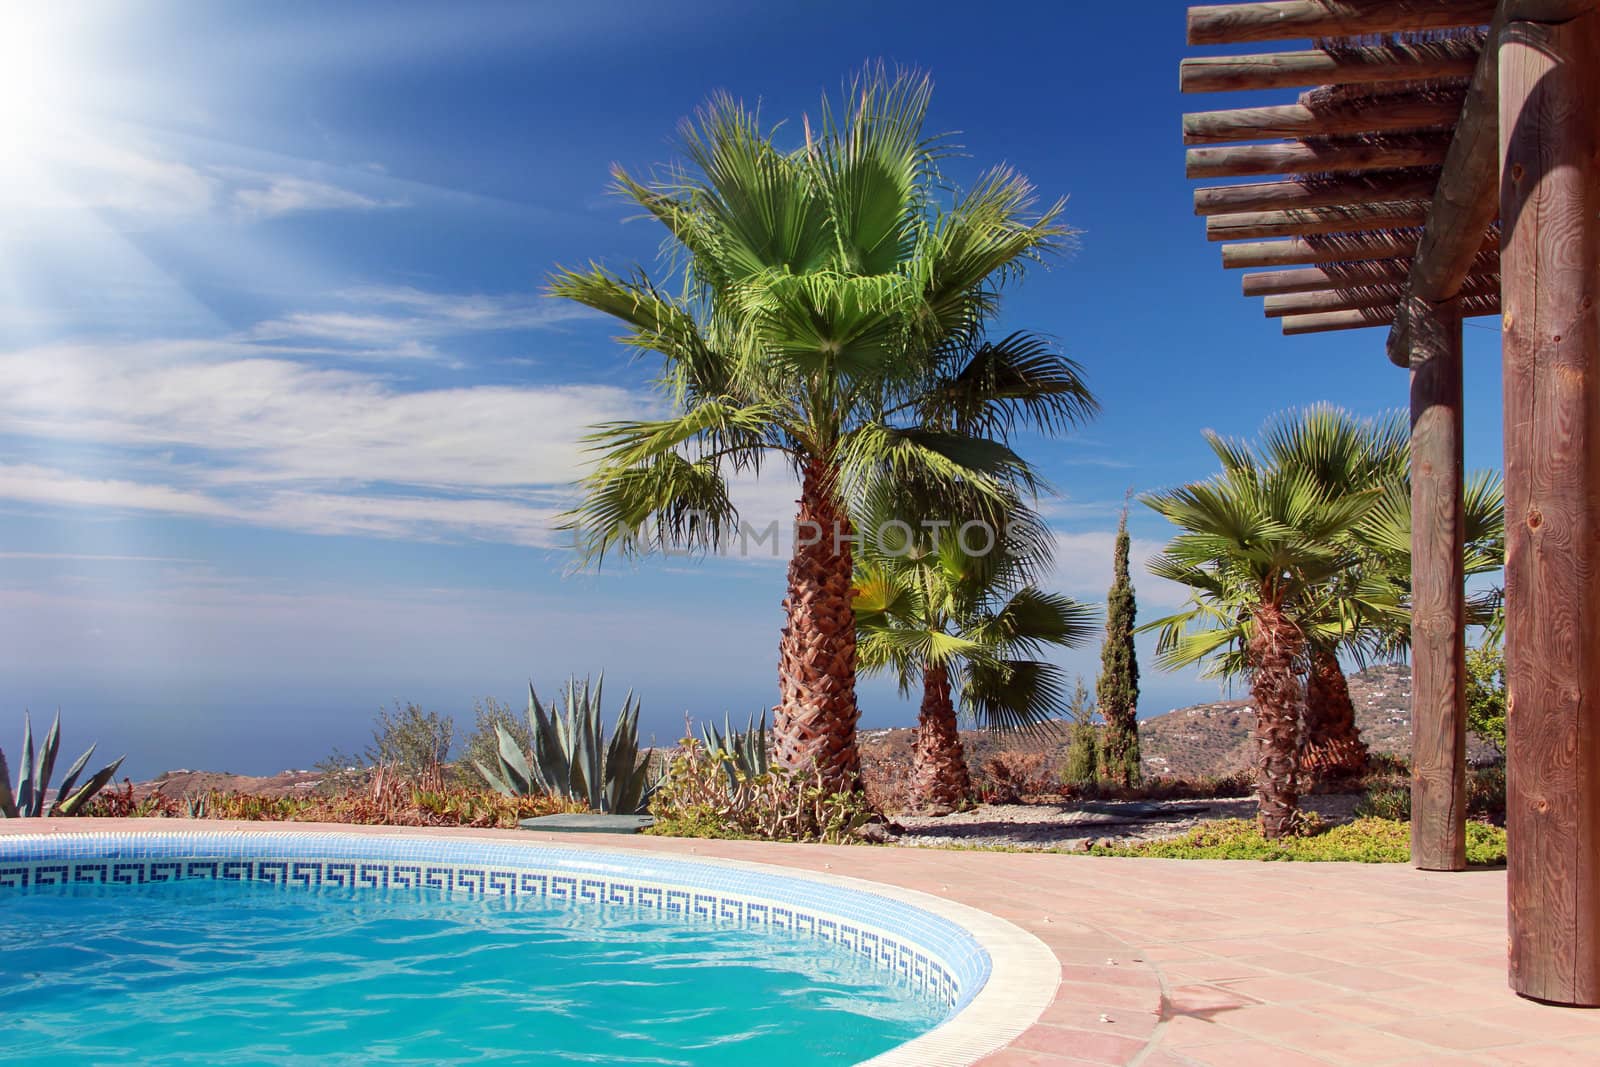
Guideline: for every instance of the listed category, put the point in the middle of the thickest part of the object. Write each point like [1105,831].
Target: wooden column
[1550,217]
[1438,607]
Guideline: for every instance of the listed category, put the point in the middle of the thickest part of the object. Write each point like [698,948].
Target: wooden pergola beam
[1290,19]
[1338,248]
[1357,65]
[1360,296]
[1361,318]
[1381,114]
[1347,276]
[1549,122]
[1247,161]
[1308,222]
[1316,192]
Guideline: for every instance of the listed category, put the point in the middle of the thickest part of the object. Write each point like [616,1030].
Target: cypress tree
[1084,745]
[1118,691]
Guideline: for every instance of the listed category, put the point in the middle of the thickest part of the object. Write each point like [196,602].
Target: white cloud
[280,443]
[1083,569]
[283,194]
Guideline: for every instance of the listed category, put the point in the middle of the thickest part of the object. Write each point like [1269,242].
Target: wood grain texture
[1359,296]
[1288,19]
[1331,156]
[1347,275]
[1362,318]
[1312,221]
[1465,200]
[1550,204]
[1438,606]
[1332,248]
[1379,186]
[1387,114]
[1373,64]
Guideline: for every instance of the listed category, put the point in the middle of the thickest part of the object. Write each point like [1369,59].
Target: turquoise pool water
[204,972]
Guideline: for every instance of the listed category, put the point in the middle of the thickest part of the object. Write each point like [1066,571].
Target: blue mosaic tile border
[933,955]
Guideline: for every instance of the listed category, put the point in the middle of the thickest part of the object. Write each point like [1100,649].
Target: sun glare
[38,85]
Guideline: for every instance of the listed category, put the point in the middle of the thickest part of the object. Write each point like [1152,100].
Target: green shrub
[407,741]
[1366,840]
[1486,797]
[1486,693]
[699,799]
[1386,802]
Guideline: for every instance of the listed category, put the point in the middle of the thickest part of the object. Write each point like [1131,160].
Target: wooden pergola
[1444,162]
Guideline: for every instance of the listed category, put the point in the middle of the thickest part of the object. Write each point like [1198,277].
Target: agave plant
[746,750]
[33,778]
[571,757]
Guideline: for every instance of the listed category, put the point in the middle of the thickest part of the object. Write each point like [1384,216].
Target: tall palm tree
[827,298]
[955,609]
[1259,548]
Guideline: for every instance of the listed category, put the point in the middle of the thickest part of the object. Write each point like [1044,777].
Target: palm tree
[1342,453]
[828,298]
[1259,548]
[961,615]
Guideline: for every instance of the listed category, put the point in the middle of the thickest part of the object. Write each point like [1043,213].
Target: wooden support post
[1550,217]
[1438,595]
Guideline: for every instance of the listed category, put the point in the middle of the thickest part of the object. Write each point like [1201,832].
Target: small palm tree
[1260,546]
[1341,453]
[829,299]
[1345,454]
[961,618]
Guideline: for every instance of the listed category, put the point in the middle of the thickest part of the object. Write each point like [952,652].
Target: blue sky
[284,416]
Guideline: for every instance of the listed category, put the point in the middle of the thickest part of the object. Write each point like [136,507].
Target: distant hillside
[1203,739]
[1214,738]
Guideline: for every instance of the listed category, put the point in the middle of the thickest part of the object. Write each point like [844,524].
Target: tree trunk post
[939,779]
[1550,218]
[1438,607]
[814,724]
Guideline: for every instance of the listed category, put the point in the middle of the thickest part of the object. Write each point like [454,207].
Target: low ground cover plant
[1365,840]
[388,798]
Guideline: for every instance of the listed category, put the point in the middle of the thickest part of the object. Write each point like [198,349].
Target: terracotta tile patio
[1233,964]
[1169,962]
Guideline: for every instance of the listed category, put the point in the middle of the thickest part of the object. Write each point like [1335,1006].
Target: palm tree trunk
[815,720]
[939,779]
[1333,746]
[1274,644]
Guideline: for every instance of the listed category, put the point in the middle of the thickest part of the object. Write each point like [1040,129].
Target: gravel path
[1079,824]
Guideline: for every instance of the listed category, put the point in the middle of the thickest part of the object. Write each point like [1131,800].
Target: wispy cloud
[282,194]
[405,323]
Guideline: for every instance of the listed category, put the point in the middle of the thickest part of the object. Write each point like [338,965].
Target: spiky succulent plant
[746,750]
[571,757]
[31,799]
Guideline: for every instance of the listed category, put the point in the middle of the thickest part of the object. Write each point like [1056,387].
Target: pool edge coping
[1023,976]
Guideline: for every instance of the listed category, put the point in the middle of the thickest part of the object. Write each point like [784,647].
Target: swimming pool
[279,946]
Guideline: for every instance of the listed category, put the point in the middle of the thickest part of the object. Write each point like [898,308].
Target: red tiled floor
[1216,963]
